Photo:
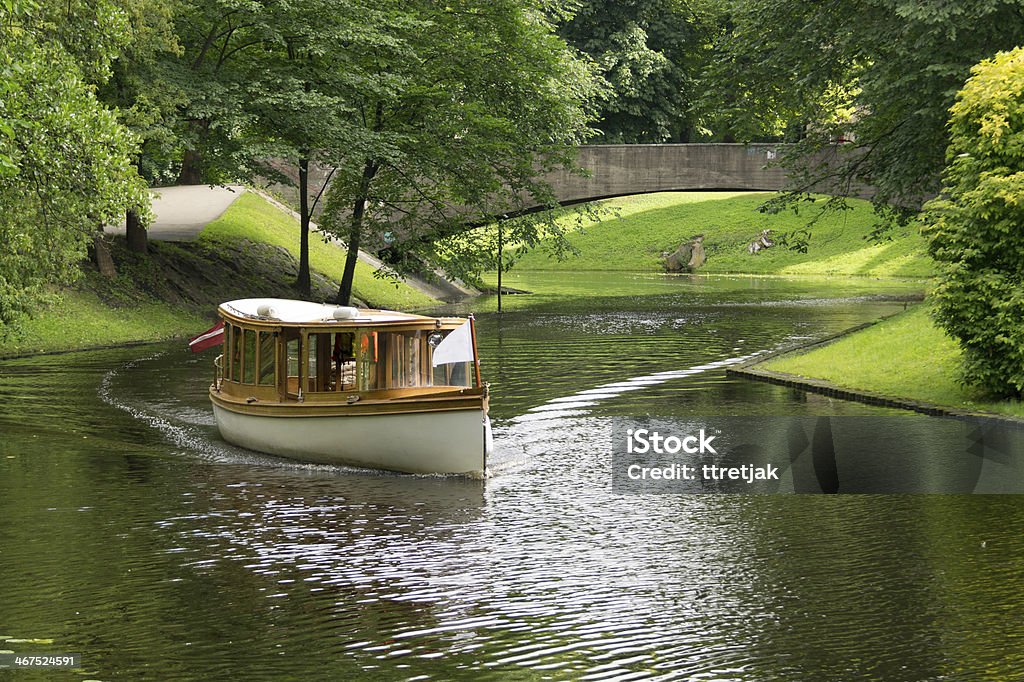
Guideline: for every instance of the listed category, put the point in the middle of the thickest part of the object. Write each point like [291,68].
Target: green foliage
[64,159]
[882,73]
[975,226]
[649,225]
[649,52]
[143,88]
[906,356]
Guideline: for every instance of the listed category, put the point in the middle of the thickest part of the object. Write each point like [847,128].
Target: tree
[260,81]
[879,73]
[457,112]
[975,230]
[298,88]
[65,161]
[650,52]
[143,96]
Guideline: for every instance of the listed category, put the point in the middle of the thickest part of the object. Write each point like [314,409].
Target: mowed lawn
[254,218]
[905,356]
[636,230]
[77,318]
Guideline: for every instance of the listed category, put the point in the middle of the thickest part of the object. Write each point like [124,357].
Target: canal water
[132,535]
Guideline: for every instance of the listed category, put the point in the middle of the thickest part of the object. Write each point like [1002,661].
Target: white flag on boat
[456,347]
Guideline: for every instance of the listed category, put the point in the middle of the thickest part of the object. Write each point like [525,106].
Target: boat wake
[196,436]
[181,435]
[568,423]
[578,404]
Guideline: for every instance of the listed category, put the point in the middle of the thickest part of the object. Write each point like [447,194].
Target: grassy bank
[648,225]
[906,356]
[254,219]
[81,319]
[174,290]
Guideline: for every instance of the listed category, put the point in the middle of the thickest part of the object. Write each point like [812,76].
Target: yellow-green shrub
[976,226]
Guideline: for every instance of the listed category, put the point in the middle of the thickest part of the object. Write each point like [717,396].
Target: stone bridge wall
[622,169]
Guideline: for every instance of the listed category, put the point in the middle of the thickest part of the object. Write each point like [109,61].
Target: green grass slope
[648,225]
[78,319]
[174,290]
[253,218]
[905,356]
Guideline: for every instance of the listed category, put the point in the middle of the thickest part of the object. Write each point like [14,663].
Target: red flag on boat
[214,336]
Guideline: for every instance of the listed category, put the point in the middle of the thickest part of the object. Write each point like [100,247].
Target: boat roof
[291,311]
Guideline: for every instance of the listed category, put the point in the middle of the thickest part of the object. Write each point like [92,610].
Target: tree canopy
[881,74]
[456,113]
[65,161]
[650,52]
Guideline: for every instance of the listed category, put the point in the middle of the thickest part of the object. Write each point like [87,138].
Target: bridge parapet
[623,169]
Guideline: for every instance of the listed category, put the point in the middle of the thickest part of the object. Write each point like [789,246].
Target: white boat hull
[442,442]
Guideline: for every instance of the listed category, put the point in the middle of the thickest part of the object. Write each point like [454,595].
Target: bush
[976,226]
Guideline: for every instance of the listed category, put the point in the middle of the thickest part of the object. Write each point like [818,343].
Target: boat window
[320,361]
[236,353]
[364,360]
[268,358]
[248,356]
[229,333]
[309,370]
[449,374]
[325,361]
[403,351]
[389,360]
[292,354]
[455,374]
[368,346]
[343,357]
[392,360]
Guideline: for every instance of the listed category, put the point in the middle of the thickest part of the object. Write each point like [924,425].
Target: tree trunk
[302,282]
[135,233]
[355,233]
[101,255]
[191,171]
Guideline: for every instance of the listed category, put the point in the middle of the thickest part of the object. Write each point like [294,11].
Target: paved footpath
[180,213]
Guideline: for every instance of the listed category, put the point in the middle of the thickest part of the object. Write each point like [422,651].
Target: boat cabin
[276,350]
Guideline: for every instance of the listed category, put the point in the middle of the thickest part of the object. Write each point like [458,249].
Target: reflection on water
[133,535]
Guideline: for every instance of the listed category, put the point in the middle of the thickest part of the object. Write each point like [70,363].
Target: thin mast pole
[476,357]
[501,262]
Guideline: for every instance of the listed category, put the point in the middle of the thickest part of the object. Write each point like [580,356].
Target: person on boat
[344,360]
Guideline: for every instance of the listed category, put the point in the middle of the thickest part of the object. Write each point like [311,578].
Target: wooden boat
[338,385]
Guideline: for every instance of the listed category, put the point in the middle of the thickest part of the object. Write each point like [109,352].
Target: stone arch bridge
[622,169]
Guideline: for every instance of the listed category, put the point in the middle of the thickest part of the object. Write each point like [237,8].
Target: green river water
[132,535]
